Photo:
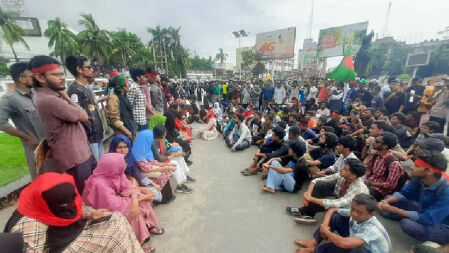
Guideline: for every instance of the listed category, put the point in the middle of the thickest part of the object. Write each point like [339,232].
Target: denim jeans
[275,179]
[97,149]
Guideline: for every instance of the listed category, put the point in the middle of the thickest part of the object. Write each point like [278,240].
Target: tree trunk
[14,53]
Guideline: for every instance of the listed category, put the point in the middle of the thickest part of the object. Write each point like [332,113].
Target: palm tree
[95,42]
[11,31]
[61,38]
[221,57]
[122,46]
[159,44]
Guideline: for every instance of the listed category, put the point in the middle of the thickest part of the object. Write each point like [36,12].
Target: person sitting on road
[345,146]
[342,186]
[422,204]
[359,231]
[306,132]
[108,188]
[162,154]
[277,140]
[323,156]
[240,136]
[51,216]
[288,172]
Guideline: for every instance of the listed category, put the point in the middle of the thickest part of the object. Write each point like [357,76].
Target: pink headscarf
[108,186]
[211,116]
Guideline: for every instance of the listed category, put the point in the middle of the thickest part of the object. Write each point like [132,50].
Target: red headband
[45,68]
[335,114]
[422,163]
[114,73]
[151,74]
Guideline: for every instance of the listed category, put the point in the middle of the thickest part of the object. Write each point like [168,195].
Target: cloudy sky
[207,25]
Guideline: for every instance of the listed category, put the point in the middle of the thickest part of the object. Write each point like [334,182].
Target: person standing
[246,96]
[62,118]
[415,93]
[138,99]
[396,101]
[157,96]
[19,105]
[441,106]
[79,93]
[279,94]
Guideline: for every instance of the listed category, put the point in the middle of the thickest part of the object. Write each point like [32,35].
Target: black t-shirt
[417,90]
[395,103]
[255,126]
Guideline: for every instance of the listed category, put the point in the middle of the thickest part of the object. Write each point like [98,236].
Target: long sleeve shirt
[354,188]
[340,163]
[376,173]
[279,95]
[242,131]
[433,201]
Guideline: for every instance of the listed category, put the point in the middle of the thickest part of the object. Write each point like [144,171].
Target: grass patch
[13,164]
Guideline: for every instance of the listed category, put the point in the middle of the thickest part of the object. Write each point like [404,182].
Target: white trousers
[181,169]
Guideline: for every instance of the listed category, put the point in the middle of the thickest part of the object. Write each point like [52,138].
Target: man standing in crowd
[19,105]
[414,95]
[137,98]
[267,92]
[79,93]
[62,118]
[396,101]
[279,94]
[157,96]
[441,105]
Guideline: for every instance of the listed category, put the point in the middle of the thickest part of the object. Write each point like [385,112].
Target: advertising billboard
[278,44]
[336,41]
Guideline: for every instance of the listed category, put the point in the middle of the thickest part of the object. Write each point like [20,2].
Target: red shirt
[375,173]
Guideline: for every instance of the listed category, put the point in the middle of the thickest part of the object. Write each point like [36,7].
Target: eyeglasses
[58,75]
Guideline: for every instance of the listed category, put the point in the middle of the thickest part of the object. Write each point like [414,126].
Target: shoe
[305,219]
[184,189]
[294,211]
[188,162]
[168,202]
[190,179]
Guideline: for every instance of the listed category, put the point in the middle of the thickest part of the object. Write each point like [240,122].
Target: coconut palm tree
[122,46]
[95,42]
[159,44]
[62,39]
[221,57]
[12,32]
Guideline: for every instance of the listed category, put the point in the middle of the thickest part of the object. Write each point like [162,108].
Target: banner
[278,44]
[336,41]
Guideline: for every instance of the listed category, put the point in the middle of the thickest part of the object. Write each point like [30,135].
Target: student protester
[157,96]
[62,119]
[119,110]
[277,140]
[395,102]
[358,230]
[322,157]
[334,122]
[79,93]
[323,111]
[288,172]
[138,99]
[397,121]
[345,146]
[377,102]
[19,105]
[342,186]
[51,216]
[108,188]
[259,138]
[414,95]
[422,204]
[122,145]
[240,136]
[306,132]
[439,110]
[162,154]
[384,174]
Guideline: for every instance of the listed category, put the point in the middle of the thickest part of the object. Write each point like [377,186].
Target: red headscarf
[211,116]
[33,205]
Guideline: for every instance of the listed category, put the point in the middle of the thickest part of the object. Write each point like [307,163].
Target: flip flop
[161,231]
[248,173]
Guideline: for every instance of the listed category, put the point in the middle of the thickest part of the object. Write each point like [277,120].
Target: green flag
[344,71]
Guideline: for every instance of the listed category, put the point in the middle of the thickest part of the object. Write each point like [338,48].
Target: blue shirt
[268,93]
[309,134]
[433,201]
[370,231]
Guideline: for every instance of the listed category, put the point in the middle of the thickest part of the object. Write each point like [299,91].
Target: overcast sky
[207,25]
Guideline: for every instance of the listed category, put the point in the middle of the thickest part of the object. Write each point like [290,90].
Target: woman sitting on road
[51,217]
[207,131]
[121,144]
[163,154]
[160,173]
[109,188]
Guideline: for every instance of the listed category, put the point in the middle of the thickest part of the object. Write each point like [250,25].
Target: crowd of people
[358,148]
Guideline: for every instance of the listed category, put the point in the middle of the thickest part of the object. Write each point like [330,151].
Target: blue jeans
[142,127]
[420,232]
[97,149]
[275,179]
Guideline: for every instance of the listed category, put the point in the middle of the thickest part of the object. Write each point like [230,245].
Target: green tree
[221,57]
[61,39]
[124,46]
[363,56]
[259,68]
[12,32]
[94,42]
[202,63]
[248,59]
[395,64]
[159,43]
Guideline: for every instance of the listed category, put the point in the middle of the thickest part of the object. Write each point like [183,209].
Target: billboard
[418,59]
[336,41]
[279,44]
[30,26]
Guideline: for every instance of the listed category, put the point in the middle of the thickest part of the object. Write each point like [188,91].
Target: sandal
[248,173]
[148,249]
[295,211]
[159,231]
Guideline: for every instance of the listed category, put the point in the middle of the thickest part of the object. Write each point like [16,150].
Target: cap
[431,144]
